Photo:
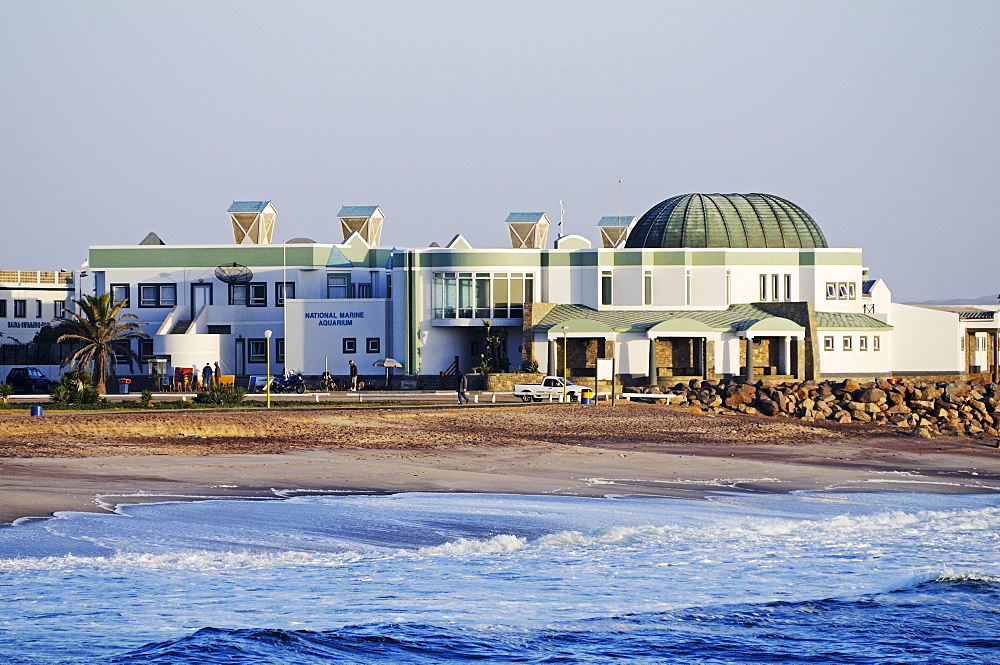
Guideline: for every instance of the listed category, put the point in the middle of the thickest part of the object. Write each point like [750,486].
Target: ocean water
[431,578]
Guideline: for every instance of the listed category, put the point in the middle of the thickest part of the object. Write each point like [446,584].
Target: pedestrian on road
[462,385]
[354,376]
[206,377]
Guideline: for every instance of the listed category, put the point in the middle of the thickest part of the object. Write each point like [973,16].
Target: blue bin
[586,396]
[36,410]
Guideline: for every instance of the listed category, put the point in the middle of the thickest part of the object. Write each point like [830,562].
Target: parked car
[550,385]
[28,380]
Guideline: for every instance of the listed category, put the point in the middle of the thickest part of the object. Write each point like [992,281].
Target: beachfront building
[29,300]
[700,286]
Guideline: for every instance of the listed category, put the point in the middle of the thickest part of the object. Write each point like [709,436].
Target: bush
[6,390]
[74,387]
[146,398]
[529,366]
[221,396]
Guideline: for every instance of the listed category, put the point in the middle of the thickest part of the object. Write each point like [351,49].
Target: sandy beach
[93,461]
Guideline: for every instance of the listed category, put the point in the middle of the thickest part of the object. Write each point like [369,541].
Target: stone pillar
[748,375]
[800,358]
[786,356]
[709,358]
[553,357]
[653,378]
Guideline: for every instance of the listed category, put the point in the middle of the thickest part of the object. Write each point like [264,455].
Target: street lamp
[267,336]
[565,330]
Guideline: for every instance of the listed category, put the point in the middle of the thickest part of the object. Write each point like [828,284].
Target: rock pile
[929,409]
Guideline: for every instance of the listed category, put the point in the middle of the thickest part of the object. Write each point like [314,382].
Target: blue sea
[456,578]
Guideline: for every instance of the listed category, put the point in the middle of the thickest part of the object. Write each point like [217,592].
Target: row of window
[251,294]
[770,287]
[257,348]
[829,343]
[19,309]
[467,295]
[841,291]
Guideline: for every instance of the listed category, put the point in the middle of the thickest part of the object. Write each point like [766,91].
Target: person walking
[216,375]
[354,376]
[206,377]
[462,385]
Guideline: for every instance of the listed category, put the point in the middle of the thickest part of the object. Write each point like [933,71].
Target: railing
[36,277]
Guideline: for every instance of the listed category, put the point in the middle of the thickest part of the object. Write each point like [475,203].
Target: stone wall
[926,409]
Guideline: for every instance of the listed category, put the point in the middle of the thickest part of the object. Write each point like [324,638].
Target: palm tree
[103,331]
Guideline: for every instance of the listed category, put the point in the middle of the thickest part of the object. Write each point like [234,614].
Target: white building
[693,288]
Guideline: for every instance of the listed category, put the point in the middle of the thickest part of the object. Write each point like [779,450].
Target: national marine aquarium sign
[27,324]
[335,318]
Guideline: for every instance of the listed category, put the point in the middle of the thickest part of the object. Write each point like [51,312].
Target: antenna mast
[562,211]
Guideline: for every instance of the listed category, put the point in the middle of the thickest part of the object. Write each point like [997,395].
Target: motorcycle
[288,383]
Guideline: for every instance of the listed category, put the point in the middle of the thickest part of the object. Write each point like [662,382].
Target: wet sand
[90,462]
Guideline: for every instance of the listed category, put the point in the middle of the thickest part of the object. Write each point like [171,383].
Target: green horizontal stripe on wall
[206,257]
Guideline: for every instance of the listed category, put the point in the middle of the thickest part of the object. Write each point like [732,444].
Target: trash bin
[123,386]
[586,396]
[36,410]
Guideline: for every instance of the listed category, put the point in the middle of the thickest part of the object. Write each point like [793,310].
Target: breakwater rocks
[929,410]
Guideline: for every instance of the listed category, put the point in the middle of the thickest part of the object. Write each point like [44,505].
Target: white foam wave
[501,543]
[203,560]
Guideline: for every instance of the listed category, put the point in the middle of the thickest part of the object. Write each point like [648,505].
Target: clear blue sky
[878,118]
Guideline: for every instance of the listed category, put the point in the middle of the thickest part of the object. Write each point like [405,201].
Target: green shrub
[146,398]
[6,390]
[74,387]
[221,396]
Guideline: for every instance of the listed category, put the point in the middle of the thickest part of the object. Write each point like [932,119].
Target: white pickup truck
[550,385]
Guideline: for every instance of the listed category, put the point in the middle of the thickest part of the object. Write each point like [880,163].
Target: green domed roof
[726,220]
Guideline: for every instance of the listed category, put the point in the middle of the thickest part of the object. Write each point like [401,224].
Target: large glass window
[157,295]
[279,350]
[238,294]
[466,295]
[3,309]
[20,309]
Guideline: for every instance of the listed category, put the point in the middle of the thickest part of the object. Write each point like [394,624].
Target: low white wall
[924,340]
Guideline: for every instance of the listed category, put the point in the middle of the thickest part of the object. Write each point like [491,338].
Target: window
[647,288]
[350,345]
[775,287]
[336,285]
[848,344]
[145,350]
[20,309]
[831,291]
[875,343]
[57,309]
[3,309]
[788,287]
[157,295]
[122,353]
[729,287]
[373,345]
[842,291]
[119,293]
[257,294]
[283,290]
[863,343]
[828,343]
[763,288]
[279,350]
[482,295]
[365,290]
[238,294]
[219,329]
[388,285]
[687,287]
[852,291]
[38,309]
[256,350]
[606,287]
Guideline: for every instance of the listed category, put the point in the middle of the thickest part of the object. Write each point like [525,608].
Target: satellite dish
[233,273]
